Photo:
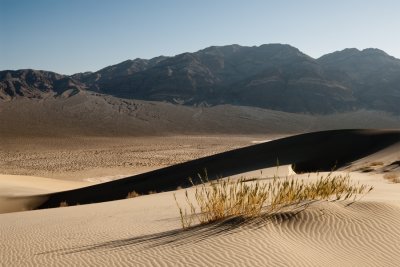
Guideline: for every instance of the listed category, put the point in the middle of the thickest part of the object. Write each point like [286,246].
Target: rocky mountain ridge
[273,76]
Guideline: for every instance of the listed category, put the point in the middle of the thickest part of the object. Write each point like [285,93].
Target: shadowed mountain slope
[36,84]
[272,76]
[373,76]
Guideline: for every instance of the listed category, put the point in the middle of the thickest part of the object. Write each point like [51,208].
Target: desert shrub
[63,204]
[377,163]
[132,194]
[225,198]
[392,177]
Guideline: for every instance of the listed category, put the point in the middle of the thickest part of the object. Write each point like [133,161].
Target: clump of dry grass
[392,177]
[330,187]
[132,194]
[225,198]
[63,204]
[376,163]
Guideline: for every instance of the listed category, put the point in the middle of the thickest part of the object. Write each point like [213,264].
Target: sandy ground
[20,192]
[146,230]
[36,165]
[97,159]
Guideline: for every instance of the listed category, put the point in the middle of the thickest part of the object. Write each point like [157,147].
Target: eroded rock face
[272,76]
[36,84]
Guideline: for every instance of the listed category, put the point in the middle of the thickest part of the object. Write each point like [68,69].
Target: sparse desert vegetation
[256,220]
[105,159]
[224,198]
[63,204]
[376,163]
[392,177]
[132,194]
[371,167]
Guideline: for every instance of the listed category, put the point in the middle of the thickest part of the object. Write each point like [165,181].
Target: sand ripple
[145,232]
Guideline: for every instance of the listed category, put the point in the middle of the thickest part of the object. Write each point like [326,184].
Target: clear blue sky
[69,36]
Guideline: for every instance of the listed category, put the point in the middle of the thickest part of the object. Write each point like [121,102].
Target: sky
[70,36]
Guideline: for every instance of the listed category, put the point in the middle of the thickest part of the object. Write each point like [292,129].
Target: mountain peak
[272,76]
[348,53]
[374,51]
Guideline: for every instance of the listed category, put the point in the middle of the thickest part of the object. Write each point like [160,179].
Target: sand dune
[320,151]
[18,192]
[146,230]
[27,185]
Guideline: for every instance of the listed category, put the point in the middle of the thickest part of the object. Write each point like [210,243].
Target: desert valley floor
[146,230]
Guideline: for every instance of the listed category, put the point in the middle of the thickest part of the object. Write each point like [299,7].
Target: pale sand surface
[144,231]
[18,192]
[21,185]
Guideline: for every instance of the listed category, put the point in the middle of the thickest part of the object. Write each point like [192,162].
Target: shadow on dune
[319,151]
[180,237]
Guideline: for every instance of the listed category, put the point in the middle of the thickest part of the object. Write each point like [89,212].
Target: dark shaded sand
[319,151]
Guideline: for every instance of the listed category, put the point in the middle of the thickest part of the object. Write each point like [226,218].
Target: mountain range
[272,76]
